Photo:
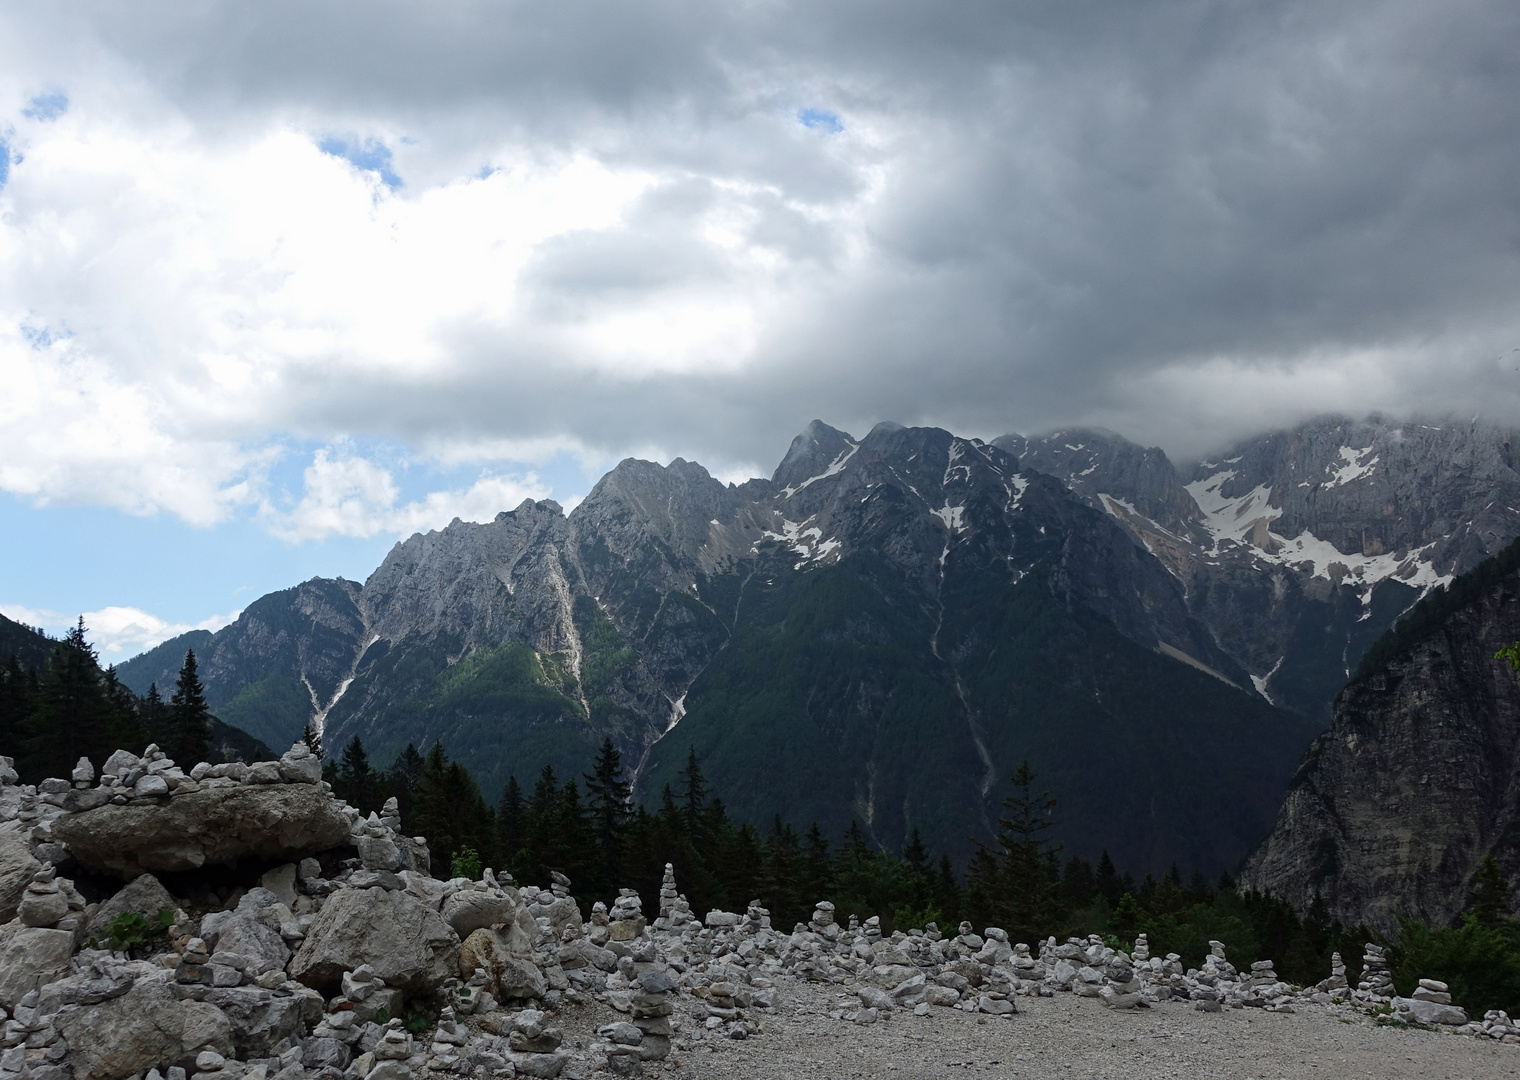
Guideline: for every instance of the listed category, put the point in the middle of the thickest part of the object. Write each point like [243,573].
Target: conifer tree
[947,892]
[1078,884]
[408,765]
[124,726]
[1489,900]
[313,740]
[609,798]
[354,779]
[1110,884]
[400,780]
[919,872]
[15,704]
[817,867]
[189,718]
[71,718]
[542,821]
[694,793]
[574,851]
[430,813]
[783,876]
[153,714]
[511,823]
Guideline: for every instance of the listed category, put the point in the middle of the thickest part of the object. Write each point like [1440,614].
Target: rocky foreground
[236,921]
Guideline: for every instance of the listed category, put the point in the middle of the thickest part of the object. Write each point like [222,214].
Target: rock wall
[1418,778]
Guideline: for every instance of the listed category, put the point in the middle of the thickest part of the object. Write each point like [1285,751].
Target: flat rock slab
[216,826]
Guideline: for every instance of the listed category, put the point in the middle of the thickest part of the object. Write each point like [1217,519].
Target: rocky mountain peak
[1110,473]
[812,454]
[481,583]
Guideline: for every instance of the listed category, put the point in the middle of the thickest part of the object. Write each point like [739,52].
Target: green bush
[130,931]
[465,864]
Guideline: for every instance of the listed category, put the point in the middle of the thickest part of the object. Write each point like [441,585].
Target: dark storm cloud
[1070,199]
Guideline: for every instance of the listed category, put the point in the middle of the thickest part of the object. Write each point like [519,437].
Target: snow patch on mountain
[1016,486]
[1244,520]
[833,470]
[805,541]
[1261,681]
[1355,466]
[954,517]
[1233,518]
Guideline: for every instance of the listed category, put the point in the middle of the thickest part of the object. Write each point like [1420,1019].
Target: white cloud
[613,231]
[116,632]
[348,495]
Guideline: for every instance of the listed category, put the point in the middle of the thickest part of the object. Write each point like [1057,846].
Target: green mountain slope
[828,705]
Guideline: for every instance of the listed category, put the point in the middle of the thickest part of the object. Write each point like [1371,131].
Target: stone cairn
[310,971]
[1377,983]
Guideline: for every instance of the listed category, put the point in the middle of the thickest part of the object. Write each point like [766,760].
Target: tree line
[590,828]
[71,708]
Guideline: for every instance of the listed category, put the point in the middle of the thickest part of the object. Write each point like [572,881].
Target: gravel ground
[1071,1037]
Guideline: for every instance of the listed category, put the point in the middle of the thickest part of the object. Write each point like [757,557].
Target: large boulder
[406,942]
[468,910]
[1428,1012]
[144,895]
[31,957]
[127,1035]
[211,826]
[261,1019]
[17,865]
[510,975]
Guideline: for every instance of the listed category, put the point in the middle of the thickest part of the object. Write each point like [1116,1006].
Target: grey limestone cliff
[1418,778]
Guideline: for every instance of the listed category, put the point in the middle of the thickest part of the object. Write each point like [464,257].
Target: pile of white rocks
[347,960]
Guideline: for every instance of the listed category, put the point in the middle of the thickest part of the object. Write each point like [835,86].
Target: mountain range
[887,626]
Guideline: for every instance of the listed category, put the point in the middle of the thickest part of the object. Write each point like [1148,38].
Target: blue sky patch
[47,106]
[371,155]
[41,337]
[5,162]
[820,120]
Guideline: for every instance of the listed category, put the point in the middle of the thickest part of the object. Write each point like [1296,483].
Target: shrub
[465,864]
[130,931]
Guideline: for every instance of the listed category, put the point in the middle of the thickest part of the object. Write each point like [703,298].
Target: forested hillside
[57,705]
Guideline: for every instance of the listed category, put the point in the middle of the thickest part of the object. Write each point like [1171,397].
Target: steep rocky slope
[1418,777]
[1298,548]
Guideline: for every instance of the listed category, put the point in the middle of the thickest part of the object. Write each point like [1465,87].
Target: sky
[281,283]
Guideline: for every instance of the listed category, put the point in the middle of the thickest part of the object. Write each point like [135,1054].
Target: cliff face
[1417,779]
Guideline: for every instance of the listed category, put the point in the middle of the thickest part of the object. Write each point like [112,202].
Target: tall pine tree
[189,718]
[1028,866]
[72,715]
[694,795]
[610,798]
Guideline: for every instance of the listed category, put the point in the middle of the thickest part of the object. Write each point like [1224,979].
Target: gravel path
[1078,1038]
